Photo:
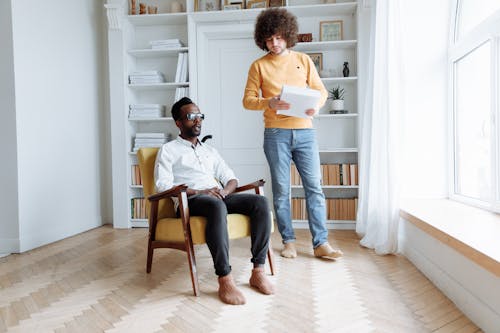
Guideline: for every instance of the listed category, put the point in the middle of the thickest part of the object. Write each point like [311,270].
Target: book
[300,100]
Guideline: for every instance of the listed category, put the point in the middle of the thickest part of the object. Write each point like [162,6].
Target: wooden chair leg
[192,271]
[149,261]
[270,257]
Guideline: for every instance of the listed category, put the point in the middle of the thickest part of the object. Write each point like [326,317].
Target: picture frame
[331,30]
[256,4]
[236,6]
[206,5]
[317,59]
[276,3]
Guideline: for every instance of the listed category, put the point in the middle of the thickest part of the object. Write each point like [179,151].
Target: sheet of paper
[300,100]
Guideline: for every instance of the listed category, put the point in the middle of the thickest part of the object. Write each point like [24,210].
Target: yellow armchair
[166,230]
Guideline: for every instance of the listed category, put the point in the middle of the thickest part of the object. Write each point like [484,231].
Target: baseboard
[51,235]
[8,246]
[473,291]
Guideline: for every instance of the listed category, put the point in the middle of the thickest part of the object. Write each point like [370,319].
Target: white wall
[9,229]
[425,37]
[60,111]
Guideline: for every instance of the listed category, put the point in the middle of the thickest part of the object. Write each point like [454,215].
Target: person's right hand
[278,104]
[213,192]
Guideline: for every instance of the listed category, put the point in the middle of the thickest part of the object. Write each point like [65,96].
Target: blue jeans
[281,146]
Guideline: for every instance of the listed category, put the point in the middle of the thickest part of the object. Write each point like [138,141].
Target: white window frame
[487,30]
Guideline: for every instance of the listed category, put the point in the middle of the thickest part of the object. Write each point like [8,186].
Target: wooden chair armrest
[173,192]
[252,186]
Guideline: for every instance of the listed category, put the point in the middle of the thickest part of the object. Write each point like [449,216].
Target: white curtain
[378,211]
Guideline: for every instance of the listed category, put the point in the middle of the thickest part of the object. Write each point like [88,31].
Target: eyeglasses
[193,116]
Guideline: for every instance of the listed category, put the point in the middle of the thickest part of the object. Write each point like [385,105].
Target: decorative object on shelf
[275,3]
[142,8]
[331,30]
[206,5]
[305,38]
[337,96]
[345,71]
[236,6]
[256,4]
[327,72]
[175,7]
[133,7]
[152,10]
[317,59]
[232,5]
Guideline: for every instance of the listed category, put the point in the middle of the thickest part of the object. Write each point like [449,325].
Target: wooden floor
[96,282]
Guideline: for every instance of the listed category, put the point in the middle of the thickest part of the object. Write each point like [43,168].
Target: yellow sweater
[268,74]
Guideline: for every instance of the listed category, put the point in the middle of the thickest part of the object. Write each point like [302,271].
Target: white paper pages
[300,100]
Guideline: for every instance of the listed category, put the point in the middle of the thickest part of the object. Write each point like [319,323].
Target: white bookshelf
[129,37]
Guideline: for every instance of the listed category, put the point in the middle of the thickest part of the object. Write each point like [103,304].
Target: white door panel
[237,133]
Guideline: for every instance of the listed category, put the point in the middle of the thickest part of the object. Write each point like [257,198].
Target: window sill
[471,231]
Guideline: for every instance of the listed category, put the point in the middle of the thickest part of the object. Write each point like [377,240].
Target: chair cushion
[170,229]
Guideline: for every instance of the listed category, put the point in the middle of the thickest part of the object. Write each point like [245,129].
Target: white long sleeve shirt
[199,167]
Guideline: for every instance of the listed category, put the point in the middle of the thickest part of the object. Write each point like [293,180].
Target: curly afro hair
[275,21]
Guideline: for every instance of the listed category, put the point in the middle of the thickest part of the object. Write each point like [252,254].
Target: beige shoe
[327,252]
[289,250]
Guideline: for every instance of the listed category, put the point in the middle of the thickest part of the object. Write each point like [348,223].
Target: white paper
[300,100]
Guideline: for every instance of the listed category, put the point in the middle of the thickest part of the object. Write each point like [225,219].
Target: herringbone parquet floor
[96,282]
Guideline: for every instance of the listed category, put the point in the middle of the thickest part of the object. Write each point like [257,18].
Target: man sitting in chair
[188,161]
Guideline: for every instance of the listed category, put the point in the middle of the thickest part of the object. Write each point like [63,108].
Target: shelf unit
[337,133]
[129,50]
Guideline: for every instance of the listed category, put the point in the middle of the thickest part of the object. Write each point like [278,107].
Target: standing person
[288,138]
[210,184]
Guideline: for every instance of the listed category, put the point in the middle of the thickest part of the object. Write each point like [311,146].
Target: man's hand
[214,192]
[310,112]
[277,104]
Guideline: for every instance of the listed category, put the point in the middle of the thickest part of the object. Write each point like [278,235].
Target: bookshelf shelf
[139,223]
[158,19]
[327,221]
[339,115]
[326,46]
[339,79]
[159,86]
[338,150]
[345,8]
[158,119]
[338,187]
[150,53]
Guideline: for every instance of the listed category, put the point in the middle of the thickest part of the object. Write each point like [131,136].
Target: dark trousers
[216,210]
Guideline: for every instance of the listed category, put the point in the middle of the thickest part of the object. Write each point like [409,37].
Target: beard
[194,131]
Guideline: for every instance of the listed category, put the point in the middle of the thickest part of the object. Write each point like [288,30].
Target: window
[473,12]
[475,71]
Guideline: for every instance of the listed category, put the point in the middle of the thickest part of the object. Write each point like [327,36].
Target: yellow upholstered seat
[169,231]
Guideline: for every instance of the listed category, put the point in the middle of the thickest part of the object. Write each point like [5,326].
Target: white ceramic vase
[338,104]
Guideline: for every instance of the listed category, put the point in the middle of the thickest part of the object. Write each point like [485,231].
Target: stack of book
[181,75]
[146,111]
[181,92]
[146,77]
[144,140]
[165,44]
[138,208]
